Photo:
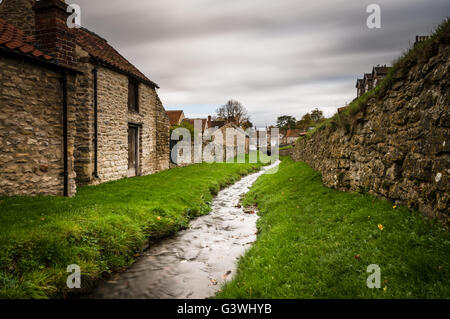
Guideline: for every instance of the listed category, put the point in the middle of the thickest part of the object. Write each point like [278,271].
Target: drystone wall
[286,152]
[398,147]
[84,112]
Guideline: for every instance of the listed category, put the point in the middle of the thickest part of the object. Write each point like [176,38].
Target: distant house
[421,38]
[178,117]
[192,123]
[379,73]
[282,136]
[371,80]
[214,134]
[237,141]
[214,123]
[175,117]
[293,135]
[360,87]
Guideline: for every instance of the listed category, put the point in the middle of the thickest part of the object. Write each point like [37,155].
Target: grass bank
[102,229]
[316,242]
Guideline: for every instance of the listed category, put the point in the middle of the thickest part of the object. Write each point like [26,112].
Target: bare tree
[233,112]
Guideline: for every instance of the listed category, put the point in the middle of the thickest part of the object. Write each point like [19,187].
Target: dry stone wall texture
[399,147]
[31,128]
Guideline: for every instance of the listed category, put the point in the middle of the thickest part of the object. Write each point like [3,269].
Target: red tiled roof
[294,133]
[100,49]
[174,117]
[13,39]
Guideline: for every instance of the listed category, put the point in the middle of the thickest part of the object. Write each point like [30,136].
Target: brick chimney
[51,32]
[19,13]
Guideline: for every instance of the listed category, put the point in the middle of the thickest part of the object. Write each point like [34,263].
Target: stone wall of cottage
[209,147]
[113,121]
[399,147]
[231,144]
[31,129]
[84,106]
[31,153]
[19,13]
[162,135]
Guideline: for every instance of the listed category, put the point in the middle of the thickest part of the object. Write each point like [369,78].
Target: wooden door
[133,151]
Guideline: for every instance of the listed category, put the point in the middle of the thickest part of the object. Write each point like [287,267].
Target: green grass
[100,229]
[286,147]
[309,236]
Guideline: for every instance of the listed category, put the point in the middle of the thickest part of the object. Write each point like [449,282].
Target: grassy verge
[102,228]
[316,242]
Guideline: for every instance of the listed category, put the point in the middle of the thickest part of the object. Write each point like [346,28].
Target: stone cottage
[360,87]
[177,118]
[74,111]
[212,123]
[266,137]
[230,139]
[293,135]
[368,82]
[217,144]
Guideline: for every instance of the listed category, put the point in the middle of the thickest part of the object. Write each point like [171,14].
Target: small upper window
[133,96]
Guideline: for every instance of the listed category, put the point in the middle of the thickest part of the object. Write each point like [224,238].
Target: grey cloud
[275,56]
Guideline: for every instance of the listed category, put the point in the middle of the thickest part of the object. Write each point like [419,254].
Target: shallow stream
[195,262]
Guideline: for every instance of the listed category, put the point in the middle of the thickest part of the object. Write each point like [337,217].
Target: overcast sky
[275,56]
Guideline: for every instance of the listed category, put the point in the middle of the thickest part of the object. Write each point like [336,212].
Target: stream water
[194,263]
